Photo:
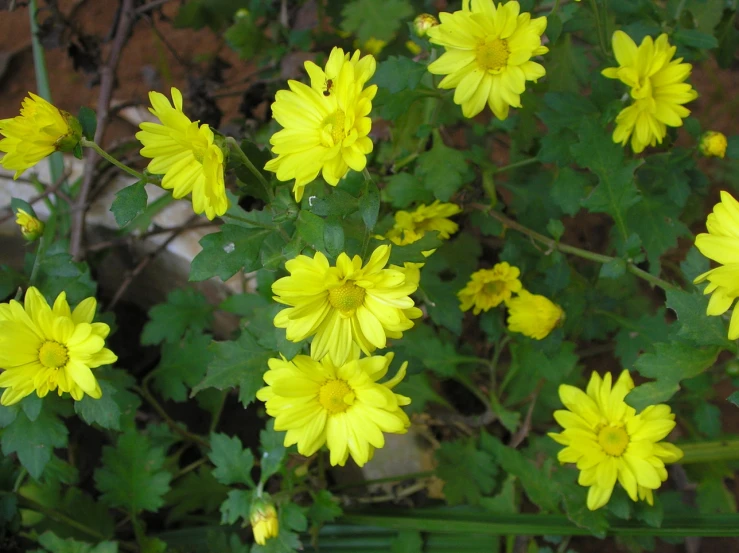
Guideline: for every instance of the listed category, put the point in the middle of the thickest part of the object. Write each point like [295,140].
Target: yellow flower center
[53,355]
[643,89]
[492,55]
[335,396]
[494,288]
[336,121]
[347,297]
[614,440]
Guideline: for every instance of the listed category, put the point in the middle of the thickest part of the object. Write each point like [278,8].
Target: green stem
[516,165]
[40,251]
[554,8]
[467,383]
[709,452]
[585,254]
[147,395]
[110,159]
[231,141]
[499,348]
[599,27]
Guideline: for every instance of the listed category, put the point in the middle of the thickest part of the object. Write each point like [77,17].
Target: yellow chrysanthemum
[40,130]
[325,125]
[410,226]
[488,54]
[340,405]
[721,244]
[489,288]
[44,348]
[657,88]
[713,144]
[264,521]
[610,442]
[186,154]
[346,304]
[422,23]
[533,315]
[31,227]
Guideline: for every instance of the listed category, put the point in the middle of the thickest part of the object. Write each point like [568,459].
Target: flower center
[494,288]
[335,396]
[347,297]
[336,122]
[492,55]
[53,355]
[614,440]
[643,89]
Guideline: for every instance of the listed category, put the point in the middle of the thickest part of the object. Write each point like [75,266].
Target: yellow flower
[44,348]
[533,315]
[489,288]
[345,305]
[713,144]
[608,440]
[186,154]
[325,124]
[422,23]
[721,244]
[40,130]
[31,227]
[488,54]
[657,86]
[340,405]
[410,227]
[373,46]
[264,522]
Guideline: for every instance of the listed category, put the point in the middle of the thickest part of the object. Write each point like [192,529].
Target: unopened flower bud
[423,22]
[264,521]
[31,227]
[713,144]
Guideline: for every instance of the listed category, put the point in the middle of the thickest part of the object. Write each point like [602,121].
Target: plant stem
[709,452]
[499,348]
[599,27]
[515,165]
[585,254]
[231,141]
[554,8]
[147,395]
[110,159]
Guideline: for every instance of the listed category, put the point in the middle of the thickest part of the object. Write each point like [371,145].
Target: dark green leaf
[54,544]
[333,236]
[104,411]
[185,309]
[236,506]
[195,492]
[468,473]
[273,451]
[88,121]
[225,253]
[369,205]
[35,441]
[325,508]
[311,229]
[182,366]
[399,73]
[405,189]
[233,463]
[379,19]
[443,170]
[568,189]
[692,322]
[695,39]
[129,202]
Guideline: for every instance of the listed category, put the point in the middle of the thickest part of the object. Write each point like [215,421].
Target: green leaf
[369,205]
[88,121]
[695,39]
[443,170]
[227,252]
[236,506]
[414,252]
[554,367]
[185,309]
[418,388]
[616,191]
[732,147]
[535,481]
[707,419]
[567,65]
[468,473]
[129,202]
[669,364]
[182,366]
[437,355]
[734,398]
[132,475]
[399,73]
[407,541]
[379,19]
[405,189]
[34,441]
[574,498]
[640,335]
[195,492]
[239,363]
[714,497]
[325,508]
[568,189]
[692,322]
[613,269]
[333,236]
[54,544]
[233,463]
[273,451]
[504,503]
[555,228]
[104,411]
[311,229]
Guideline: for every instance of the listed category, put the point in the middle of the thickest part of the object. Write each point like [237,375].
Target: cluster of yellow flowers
[530,314]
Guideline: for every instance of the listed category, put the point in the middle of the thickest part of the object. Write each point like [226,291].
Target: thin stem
[191,467]
[37,260]
[710,452]
[554,8]
[516,165]
[147,395]
[585,254]
[599,27]
[110,159]
[231,141]
[499,348]
[217,414]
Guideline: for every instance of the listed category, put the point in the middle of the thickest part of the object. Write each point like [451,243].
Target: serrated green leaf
[54,544]
[185,309]
[692,322]
[714,497]
[34,441]
[613,269]
[333,236]
[239,363]
[129,202]
[551,366]
[132,475]
[236,506]
[195,492]
[379,19]
[311,229]
[233,463]
[405,189]
[504,503]
[182,366]
[104,412]
[273,451]
[369,205]
[468,473]
[227,252]
[398,73]
[325,508]
[443,170]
